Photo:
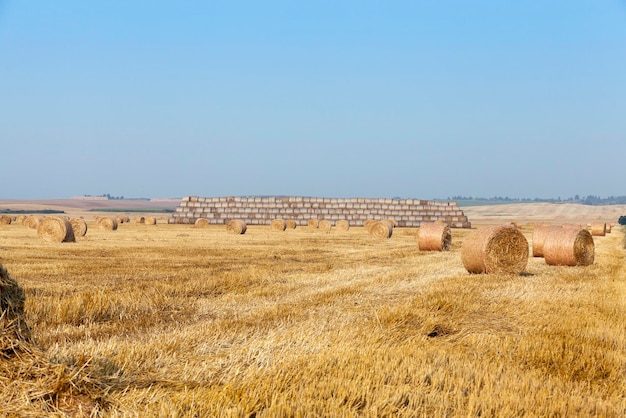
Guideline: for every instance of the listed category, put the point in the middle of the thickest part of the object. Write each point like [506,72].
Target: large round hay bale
[32,221]
[108,224]
[6,220]
[598,229]
[79,226]
[13,325]
[569,247]
[202,223]
[434,237]
[495,249]
[150,220]
[325,225]
[381,229]
[236,226]
[55,229]
[540,232]
[313,223]
[291,224]
[342,225]
[278,225]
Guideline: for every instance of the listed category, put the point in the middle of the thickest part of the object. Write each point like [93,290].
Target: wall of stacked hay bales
[263,210]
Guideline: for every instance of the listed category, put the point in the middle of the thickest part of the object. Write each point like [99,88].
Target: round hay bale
[342,225]
[55,229]
[598,229]
[119,220]
[368,224]
[291,224]
[381,229]
[108,224]
[540,232]
[569,247]
[325,225]
[13,325]
[236,226]
[278,225]
[202,223]
[434,237]
[79,226]
[495,249]
[313,223]
[150,220]
[32,221]
[140,220]
[6,220]
[20,219]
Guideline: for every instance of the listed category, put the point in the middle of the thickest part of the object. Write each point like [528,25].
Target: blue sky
[422,99]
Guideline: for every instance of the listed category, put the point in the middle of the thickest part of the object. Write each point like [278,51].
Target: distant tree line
[585,200]
[107,195]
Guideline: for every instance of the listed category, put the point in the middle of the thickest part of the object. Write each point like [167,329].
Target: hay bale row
[236,226]
[496,249]
[278,225]
[55,229]
[434,237]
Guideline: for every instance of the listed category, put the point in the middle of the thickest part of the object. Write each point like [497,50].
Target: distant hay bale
[20,219]
[381,229]
[540,232]
[32,221]
[291,224]
[325,225]
[313,223]
[119,219]
[278,225]
[236,226]
[139,220]
[126,218]
[79,226]
[202,223]
[569,247]
[55,229]
[434,237]
[342,225]
[495,249]
[6,220]
[598,229]
[108,224]
[150,220]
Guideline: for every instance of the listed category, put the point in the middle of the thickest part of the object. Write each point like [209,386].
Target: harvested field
[183,321]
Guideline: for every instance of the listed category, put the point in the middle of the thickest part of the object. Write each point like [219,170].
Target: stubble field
[173,320]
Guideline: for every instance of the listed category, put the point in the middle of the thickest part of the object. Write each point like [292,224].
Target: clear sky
[356,98]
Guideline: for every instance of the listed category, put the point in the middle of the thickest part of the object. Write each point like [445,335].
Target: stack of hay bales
[497,249]
[236,226]
[55,229]
[278,225]
[434,237]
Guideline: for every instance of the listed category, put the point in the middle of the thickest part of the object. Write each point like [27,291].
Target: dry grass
[187,322]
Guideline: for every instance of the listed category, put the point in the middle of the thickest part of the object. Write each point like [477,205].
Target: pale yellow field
[172,320]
